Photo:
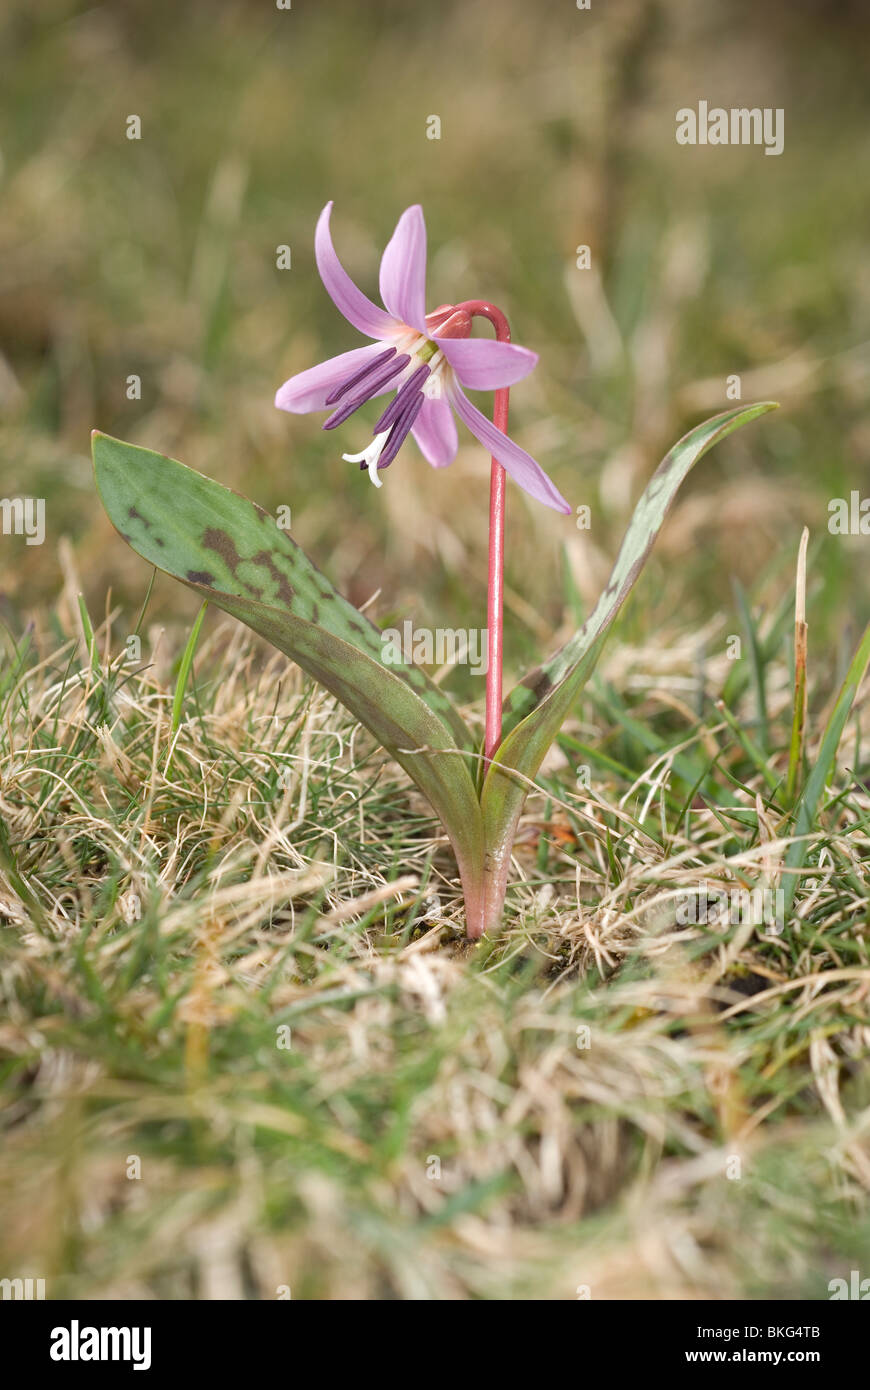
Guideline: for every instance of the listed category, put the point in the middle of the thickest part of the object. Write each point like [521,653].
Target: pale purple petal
[520,465]
[435,432]
[403,270]
[309,390]
[484,365]
[357,308]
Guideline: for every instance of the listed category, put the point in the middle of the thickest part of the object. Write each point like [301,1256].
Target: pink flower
[425,358]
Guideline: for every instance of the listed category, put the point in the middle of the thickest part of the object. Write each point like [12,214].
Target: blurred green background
[157,257]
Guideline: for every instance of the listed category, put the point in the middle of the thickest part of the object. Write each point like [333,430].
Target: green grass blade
[808,806]
[799,714]
[757,661]
[184,668]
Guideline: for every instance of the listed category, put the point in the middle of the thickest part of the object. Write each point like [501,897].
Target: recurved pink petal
[435,431]
[484,365]
[520,465]
[357,308]
[403,270]
[309,390]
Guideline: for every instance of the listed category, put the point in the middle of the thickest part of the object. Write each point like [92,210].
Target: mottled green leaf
[535,710]
[233,553]
[209,536]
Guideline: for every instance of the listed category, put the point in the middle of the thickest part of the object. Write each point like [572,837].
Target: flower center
[416,366]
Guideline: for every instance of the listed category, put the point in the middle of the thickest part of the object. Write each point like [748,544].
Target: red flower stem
[495,588]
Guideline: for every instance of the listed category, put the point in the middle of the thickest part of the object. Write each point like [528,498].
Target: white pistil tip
[370,456]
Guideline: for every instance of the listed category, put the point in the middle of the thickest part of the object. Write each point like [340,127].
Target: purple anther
[401,398]
[400,430]
[370,387]
[363,372]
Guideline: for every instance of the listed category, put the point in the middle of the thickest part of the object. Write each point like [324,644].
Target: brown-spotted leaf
[233,553]
[213,538]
